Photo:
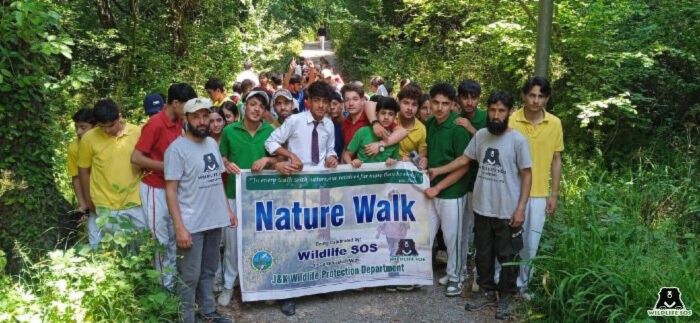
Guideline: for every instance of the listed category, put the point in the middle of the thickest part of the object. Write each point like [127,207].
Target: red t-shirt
[156,135]
[349,128]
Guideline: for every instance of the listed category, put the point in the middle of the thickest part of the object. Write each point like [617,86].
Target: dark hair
[404,82]
[352,87]
[182,92]
[214,84]
[261,97]
[106,110]
[470,88]
[337,97]
[264,75]
[376,80]
[295,79]
[423,98]
[410,91]
[542,82]
[236,87]
[445,89]
[375,98]
[246,86]
[387,103]
[228,105]
[501,96]
[84,115]
[276,78]
[218,110]
[320,89]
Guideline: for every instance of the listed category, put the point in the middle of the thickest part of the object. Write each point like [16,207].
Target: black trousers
[495,239]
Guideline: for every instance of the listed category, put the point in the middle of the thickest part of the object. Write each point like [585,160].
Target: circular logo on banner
[262,260]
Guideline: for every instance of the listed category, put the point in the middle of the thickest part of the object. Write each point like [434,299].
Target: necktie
[314,144]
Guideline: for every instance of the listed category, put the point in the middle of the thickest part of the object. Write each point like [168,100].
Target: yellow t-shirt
[415,140]
[72,166]
[114,181]
[219,103]
[544,140]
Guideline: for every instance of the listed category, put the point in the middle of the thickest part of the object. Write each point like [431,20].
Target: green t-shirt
[446,142]
[239,147]
[479,121]
[366,136]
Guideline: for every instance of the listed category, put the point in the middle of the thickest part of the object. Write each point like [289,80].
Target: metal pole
[544,38]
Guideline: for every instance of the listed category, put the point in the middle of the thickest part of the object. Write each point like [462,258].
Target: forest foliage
[626,84]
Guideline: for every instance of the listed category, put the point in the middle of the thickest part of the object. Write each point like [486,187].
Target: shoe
[288,307]
[453,289]
[526,294]
[390,288]
[503,310]
[215,317]
[443,280]
[441,256]
[480,300]
[407,288]
[225,297]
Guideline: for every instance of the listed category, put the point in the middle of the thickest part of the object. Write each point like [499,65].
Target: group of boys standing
[490,172]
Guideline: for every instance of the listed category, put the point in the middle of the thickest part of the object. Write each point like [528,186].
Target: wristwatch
[381,148]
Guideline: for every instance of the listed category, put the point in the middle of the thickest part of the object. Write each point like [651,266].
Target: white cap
[197,104]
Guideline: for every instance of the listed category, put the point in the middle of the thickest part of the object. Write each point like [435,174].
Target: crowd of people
[494,170]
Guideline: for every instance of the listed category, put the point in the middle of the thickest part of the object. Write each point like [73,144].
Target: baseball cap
[282,93]
[153,103]
[261,94]
[197,104]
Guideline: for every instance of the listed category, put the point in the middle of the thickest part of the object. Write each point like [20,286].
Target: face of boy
[112,128]
[283,106]
[535,100]
[441,106]
[468,102]
[353,102]
[336,109]
[254,109]
[409,108]
[386,117]
[319,107]
[216,95]
[81,128]
[425,112]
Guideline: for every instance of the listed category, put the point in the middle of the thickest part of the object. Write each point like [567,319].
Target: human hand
[372,149]
[285,168]
[232,168]
[390,162]
[259,164]
[431,192]
[296,162]
[380,131]
[423,163]
[551,205]
[232,218]
[183,238]
[517,218]
[356,163]
[331,162]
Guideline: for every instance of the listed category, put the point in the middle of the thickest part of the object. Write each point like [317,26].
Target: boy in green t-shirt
[387,108]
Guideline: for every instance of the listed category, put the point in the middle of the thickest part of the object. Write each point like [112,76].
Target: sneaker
[215,317]
[390,288]
[443,280]
[225,297]
[407,288]
[480,300]
[453,289]
[503,310]
[288,307]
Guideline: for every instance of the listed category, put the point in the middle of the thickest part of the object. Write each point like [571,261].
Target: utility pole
[544,38]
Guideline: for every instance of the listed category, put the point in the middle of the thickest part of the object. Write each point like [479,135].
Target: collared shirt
[219,103]
[350,128]
[239,147]
[296,132]
[415,140]
[156,135]
[544,140]
[114,180]
[366,136]
[478,122]
[446,142]
[72,166]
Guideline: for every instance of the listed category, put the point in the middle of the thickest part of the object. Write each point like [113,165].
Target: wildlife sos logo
[210,163]
[669,303]
[406,247]
[262,260]
[491,157]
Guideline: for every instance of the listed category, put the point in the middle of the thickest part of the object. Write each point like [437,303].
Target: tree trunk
[104,11]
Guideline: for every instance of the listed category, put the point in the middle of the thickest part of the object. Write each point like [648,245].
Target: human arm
[395,137]
[231,215]
[459,162]
[518,216]
[556,178]
[274,147]
[262,163]
[464,122]
[183,238]
[84,175]
[139,159]
[450,179]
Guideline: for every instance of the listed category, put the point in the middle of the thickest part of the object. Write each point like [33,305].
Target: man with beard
[501,192]
[546,139]
[446,142]
[242,147]
[197,203]
[156,135]
[283,103]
